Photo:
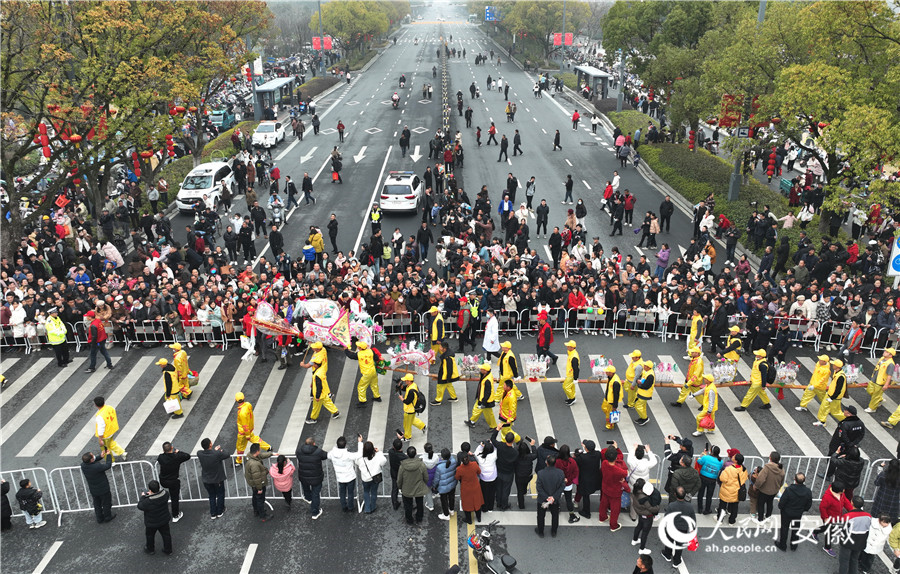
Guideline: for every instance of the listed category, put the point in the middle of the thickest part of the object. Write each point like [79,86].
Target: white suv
[402,191]
[204,180]
[268,134]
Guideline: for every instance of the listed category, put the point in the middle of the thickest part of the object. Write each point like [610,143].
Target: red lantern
[776,121]
[42,128]
[691,140]
[171,153]
[192,109]
[180,109]
[37,139]
[173,111]
[76,181]
[137,171]
[44,140]
[146,154]
[134,155]
[76,139]
[46,152]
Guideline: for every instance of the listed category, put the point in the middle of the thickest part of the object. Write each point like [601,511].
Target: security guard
[733,345]
[884,374]
[369,379]
[484,399]
[375,216]
[245,426]
[437,329]
[758,378]
[644,392]
[448,372]
[709,404]
[180,362]
[631,373]
[836,391]
[106,424]
[410,397]
[321,396]
[818,383]
[509,370]
[696,329]
[56,336]
[573,367]
[508,406]
[694,378]
[614,394]
[170,379]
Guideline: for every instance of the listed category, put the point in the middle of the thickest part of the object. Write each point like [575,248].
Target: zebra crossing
[48,413]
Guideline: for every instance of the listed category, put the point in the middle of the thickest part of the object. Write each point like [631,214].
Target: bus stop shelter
[596,79]
[279,91]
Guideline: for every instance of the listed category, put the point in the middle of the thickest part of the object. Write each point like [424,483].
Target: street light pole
[562,57]
[620,99]
[321,39]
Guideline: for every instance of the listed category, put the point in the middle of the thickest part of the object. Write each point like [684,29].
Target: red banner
[327,42]
[569,38]
[316,43]
[557,39]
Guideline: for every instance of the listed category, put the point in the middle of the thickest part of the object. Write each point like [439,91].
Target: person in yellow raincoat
[709,404]
[758,377]
[170,380]
[508,406]
[633,371]
[369,379]
[614,394]
[106,424]
[694,378]
[818,383]
[733,345]
[448,372]
[509,371]
[836,391]
[884,375]
[410,397]
[320,356]
[573,368]
[696,330]
[644,393]
[437,329]
[245,424]
[484,399]
[180,362]
[321,395]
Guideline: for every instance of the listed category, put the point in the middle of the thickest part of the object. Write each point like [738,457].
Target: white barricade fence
[39,479]
[127,480]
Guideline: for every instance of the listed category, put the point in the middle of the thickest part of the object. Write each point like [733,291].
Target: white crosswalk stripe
[32,406]
[22,380]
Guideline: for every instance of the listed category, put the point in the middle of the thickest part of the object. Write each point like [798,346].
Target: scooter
[277,208]
[481,548]
[395,103]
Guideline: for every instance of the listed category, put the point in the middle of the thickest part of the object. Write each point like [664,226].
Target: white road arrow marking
[415,156]
[362,153]
[309,154]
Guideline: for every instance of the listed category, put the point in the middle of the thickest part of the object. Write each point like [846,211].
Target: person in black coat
[395,457]
[170,462]
[311,473]
[547,448]
[550,484]
[795,500]
[155,505]
[589,476]
[782,343]
[618,213]
[718,326]
[94,472]
[524,468]
[5,508]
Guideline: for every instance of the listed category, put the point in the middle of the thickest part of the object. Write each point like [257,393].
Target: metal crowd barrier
[6,334]
[557,318]
[39,479]
[126,482]
[395,324]
[639,321]
[153,332]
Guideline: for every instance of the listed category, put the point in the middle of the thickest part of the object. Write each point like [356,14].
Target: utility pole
[321,38]
[620,99]
[562,58]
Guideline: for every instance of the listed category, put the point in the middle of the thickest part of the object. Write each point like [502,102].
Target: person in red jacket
[629,200]
[545,338]
[97,341]
[566,462]
[613,472]
[834,503]
[575,117]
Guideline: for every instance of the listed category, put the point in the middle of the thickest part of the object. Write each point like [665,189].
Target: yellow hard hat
[506,345]
[485,366]
[570,344]
[709,378]
[735,329]
[361,345]
[433,309]
[317,345]
[823,357]
[407,377]
[837,363]
[635,354]
[238,396]
[891,350]
[648,364]
[162,362]
[610,369]
[694,349]
[175,346]
[760,352]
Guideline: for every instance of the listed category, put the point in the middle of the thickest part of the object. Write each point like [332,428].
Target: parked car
[268,134]
[222,119]
[402,191]
[204,180]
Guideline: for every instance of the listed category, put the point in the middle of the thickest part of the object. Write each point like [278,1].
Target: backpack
[421,401]
[771,372]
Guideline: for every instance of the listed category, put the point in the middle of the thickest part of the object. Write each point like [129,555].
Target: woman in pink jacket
[282,473]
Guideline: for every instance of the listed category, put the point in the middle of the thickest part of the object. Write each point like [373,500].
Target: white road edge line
[48,557]
[362,228]
[248,559]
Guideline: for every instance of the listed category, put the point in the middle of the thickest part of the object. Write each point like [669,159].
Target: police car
[402,191]
[205,179]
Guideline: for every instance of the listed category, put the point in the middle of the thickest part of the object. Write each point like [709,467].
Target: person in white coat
[639,464]
[491,344]
[879,532]
[344,463]
[17,321]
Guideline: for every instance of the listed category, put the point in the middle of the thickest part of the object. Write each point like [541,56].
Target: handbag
[707,422]
[171,405]
[614,417]
[742,493]
[376,478]
[246,343]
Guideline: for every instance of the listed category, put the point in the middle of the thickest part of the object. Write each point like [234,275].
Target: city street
[47,412]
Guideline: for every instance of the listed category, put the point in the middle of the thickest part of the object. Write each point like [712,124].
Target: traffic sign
[743,132]
[894,269]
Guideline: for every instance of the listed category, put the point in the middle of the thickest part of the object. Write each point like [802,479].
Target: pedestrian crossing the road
[51,420]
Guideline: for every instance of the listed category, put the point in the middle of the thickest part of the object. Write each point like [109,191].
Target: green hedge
[570,80]
[317,85]
[223,141]
[694,175]
[355,62]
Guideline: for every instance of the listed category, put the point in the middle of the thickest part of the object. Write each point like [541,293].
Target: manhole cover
[589,143]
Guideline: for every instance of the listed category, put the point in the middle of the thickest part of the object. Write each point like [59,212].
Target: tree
[352,24]
[540,20]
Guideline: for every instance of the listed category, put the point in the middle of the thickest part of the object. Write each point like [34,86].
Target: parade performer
[180,362]
[644,392]
[448,372]
[633,373]
[245,425]
[709,404]
[573,366]
[484,399]
[508,406]
[509,370]
[614,393]
[884,375]
[321,396]
[818,383]
[170,380]
[694,378]
[409,394]
[106,424]
[367,358]
[836,391]
[758,378]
